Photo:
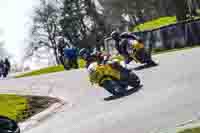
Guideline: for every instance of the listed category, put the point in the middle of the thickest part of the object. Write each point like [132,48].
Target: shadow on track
[144,67]
[129,92]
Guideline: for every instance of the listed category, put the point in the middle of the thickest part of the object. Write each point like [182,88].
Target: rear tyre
[113,87]
[151,63]
[133,80]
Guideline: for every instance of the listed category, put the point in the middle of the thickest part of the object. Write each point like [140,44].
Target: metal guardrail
[181,34]
[185,33]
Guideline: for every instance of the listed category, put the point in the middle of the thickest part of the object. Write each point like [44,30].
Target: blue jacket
[70,53]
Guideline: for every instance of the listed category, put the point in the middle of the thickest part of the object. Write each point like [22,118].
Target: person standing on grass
[7,66]
[61,46]
[71,53]
[1,68]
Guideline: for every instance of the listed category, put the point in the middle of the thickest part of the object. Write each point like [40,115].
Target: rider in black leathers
[122,44]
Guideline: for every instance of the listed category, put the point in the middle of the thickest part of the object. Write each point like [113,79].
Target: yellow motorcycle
[113,77]
[137,52]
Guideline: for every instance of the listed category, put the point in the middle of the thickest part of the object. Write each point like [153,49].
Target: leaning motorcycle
[113,77]
[138,53]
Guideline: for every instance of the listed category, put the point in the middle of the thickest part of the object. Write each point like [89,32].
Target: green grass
[47,70]
[13,106]
[192,130]
[157,23]
[42,71]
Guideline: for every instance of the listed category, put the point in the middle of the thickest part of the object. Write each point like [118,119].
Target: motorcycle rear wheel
[133,80]
[113,87]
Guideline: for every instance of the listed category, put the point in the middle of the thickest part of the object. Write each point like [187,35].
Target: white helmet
[92,67]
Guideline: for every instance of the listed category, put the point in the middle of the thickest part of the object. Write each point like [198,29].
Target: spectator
[72,55]
[7,66]
[1,68]
[61,46]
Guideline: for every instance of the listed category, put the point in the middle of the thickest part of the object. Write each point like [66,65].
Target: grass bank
[20,108]
[42,71]
[47,70]
[157,23]
[154,24]
[13,106]
[192,130]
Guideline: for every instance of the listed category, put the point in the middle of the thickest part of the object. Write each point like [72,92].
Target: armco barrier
[186,33]
[172,36]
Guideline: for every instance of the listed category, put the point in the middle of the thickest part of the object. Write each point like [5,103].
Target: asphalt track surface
[170,95]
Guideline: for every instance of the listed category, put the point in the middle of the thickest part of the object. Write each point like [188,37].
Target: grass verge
[13,106]
[156,23]
[192,130]
[20,108]
[47,70]
[42,71]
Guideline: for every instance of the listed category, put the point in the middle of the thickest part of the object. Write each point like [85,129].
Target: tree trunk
[58,61]
[181,9]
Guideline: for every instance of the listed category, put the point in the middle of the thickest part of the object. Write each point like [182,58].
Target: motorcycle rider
[71,54]
[123,43]
[93,62]
[87,56]
[90,56]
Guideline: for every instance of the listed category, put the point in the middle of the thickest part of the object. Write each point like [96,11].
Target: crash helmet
[124,35]
[92,67]
[115,35]
[84,53]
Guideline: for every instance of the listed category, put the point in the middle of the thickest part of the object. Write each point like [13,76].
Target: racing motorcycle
[138,53]
[113,77]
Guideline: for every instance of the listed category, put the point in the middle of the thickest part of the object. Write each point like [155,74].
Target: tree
[74,22]
[181,9]
[81,23]
[185,8]
[46,30]
[152,8]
